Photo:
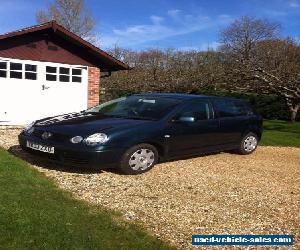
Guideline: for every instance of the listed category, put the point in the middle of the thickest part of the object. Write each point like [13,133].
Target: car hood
[85,123]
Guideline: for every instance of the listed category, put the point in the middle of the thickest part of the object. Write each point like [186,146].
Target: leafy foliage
[252,60]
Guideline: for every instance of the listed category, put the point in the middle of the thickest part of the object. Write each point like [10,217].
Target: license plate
[38,147]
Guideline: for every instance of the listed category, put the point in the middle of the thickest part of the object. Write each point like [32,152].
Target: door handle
[44,87]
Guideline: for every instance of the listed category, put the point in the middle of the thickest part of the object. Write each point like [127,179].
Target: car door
[192,130]
[233,120]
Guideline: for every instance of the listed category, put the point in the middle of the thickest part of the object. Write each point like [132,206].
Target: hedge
[269,106]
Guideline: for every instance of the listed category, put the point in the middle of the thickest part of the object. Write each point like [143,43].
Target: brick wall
[93,86]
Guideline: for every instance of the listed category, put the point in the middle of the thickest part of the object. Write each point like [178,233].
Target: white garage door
[31,90]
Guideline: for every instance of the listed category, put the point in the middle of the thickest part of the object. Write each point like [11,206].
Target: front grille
[43,155]
[60,157]
[38,133]
[56,137]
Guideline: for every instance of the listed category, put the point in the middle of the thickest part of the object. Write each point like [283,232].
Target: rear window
[232,108]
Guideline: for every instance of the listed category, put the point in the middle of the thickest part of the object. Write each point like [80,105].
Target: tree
[260,62]
[72,14]
[166,70]
[278,68]
[242,35]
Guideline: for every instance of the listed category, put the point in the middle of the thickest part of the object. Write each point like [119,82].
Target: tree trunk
[294,111]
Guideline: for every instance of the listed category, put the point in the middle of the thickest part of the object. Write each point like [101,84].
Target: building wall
[44,48]
[93,86]
[51,48]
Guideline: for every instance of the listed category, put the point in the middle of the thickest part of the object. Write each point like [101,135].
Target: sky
[178,24]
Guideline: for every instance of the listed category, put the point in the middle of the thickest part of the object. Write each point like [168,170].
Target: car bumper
[79,157]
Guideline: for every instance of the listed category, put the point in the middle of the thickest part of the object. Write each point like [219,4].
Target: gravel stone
[215,194]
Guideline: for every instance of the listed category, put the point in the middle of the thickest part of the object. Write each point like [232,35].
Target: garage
[46,70]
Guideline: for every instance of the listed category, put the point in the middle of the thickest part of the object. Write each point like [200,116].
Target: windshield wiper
[140,118]
[133,117]
[121,116]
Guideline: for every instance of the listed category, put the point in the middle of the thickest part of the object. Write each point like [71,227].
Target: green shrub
[271,107]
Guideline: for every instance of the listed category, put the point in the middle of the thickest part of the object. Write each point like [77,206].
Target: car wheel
[139,159]
[248,144]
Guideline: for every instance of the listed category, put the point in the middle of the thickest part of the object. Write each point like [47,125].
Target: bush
[269,106]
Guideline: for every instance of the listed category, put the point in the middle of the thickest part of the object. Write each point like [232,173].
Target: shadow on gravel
[53,165]
[59,166]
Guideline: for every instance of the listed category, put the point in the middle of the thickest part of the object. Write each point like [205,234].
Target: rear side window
[232,108]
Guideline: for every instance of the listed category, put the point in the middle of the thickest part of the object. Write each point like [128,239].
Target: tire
[248,144]
[139,159]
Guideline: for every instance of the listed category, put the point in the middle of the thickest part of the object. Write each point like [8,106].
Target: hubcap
[141,159]
[250,143]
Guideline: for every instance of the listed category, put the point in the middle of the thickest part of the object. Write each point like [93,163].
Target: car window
[231,108]
[198,110]
[143,107]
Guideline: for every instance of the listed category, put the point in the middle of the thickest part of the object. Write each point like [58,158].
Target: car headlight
[29,128]
[96,139]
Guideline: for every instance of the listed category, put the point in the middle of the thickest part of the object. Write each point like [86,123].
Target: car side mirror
[187,119]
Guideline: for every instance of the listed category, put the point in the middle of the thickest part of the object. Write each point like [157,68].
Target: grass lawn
[281,133]
[35,214]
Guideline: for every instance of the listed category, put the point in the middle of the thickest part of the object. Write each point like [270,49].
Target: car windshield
[137,107]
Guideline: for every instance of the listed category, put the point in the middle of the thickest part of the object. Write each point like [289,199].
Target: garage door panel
[40,89]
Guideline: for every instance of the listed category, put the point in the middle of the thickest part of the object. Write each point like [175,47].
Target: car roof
[183,96]
[171,95]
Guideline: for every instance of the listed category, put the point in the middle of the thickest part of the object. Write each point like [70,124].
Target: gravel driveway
[216,194]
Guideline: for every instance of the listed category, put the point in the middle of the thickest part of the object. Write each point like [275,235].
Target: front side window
[137,107]
[198,111]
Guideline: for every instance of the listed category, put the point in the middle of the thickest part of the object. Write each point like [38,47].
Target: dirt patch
[215,194]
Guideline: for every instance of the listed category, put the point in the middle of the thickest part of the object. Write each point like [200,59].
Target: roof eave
[61,31]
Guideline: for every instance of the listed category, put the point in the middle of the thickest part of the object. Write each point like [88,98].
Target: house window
[53,48]
[51,73]
[76,75]
[31,45]
[30,72]
[16,70]
[64,74]
[3,69]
